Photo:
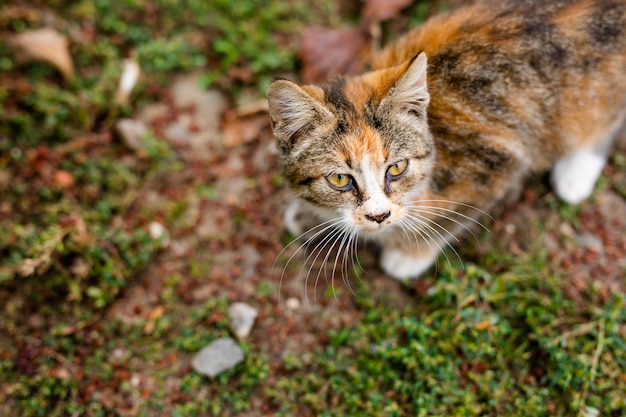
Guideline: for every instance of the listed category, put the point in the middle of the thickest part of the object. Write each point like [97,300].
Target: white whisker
[424,221]
[349,255]
[322,228]
[458,204]
[447,210]
[339,234]
[417,228]
[418,211]
[317,251]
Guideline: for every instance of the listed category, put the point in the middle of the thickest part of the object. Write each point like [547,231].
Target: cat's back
[544,72]
[559,30]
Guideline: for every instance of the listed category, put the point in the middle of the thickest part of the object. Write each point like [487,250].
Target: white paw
[575,175]
[402,266]
[291,218]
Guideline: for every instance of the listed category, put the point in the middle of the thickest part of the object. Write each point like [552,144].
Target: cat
[449,121]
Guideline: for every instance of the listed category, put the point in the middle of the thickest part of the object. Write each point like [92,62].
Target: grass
[516,336]
[476,344]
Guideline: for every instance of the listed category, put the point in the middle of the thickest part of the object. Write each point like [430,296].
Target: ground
[120,254]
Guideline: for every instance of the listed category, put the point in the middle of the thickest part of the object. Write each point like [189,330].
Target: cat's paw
[575,175]
[293,218]
[402,266]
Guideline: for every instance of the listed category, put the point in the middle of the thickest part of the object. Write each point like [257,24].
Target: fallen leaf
[63,179]
[326,53]
[46,45]
[378,10]
[483,325]
[155,314]
[60,373]
[241,130]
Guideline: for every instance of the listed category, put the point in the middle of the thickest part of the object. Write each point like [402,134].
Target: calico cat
[449,122]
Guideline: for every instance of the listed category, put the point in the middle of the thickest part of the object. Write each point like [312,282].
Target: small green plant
[465,351]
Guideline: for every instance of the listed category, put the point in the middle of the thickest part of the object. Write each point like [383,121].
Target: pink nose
[378,218]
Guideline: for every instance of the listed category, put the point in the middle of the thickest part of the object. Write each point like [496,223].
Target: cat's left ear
[410,92]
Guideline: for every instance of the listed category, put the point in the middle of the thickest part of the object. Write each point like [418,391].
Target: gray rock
[209,104]
[242,318]
[590,241]
[177,133]
[219,356]
[132,133]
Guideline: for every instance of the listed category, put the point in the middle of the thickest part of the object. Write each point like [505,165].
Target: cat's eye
[398,169]
[341,182]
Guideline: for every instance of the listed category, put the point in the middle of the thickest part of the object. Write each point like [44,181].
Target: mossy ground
[100,317]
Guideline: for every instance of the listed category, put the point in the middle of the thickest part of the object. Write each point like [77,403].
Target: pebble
[242,318]
[293,303]
[590,242]
[158,232]
[132,133]
[219,356]
[177,132]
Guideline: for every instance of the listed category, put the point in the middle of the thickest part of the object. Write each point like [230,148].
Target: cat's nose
[379,218]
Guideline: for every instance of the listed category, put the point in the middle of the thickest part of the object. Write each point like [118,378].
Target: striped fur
[475,101]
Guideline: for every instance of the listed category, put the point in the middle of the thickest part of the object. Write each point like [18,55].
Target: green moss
[500,353]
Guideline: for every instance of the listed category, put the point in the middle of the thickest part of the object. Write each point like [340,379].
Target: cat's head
[358,146]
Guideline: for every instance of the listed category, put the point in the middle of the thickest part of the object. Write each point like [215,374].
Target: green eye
[339,182]
[397,169]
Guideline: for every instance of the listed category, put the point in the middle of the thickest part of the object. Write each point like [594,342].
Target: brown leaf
[378,10]
[63,179]
[241,130]
[483,325]
[155,314]
[46,45]
[326,53]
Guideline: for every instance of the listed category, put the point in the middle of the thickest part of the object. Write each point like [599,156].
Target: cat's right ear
[293,111]
[410,93]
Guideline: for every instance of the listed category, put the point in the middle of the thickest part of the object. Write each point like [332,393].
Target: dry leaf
[155,314]
[326,53]
[241,130]
[483,325]
[46,45]
[63,179]
[378,10]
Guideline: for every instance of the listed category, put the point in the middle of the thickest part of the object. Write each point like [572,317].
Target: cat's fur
[475,101]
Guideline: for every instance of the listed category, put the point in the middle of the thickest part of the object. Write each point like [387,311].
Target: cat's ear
[293,111]
[410,92]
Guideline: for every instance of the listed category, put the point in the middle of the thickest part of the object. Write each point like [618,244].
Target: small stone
[177,133]
[590,242]
[135,380]
[219,356]
[293,303]
[242,318]
[591,412]
[158,232]
[132,133]
[567,230]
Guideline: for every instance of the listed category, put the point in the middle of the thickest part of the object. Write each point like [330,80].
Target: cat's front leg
[294,221]
[403,264]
